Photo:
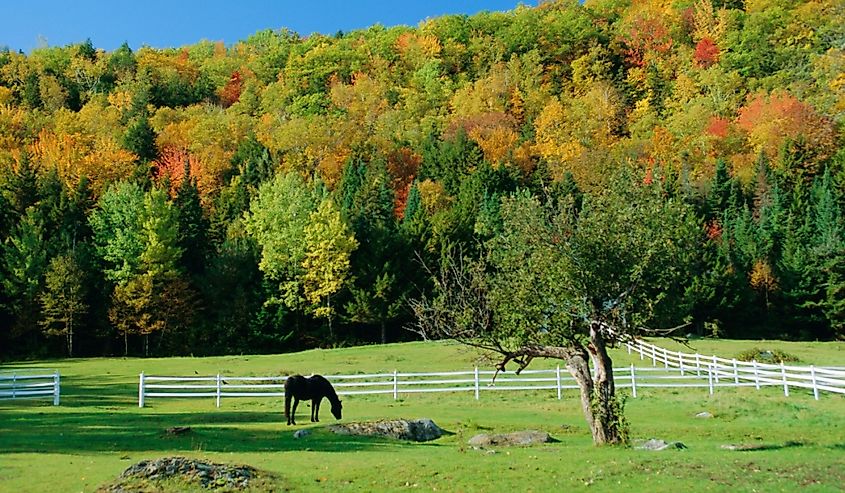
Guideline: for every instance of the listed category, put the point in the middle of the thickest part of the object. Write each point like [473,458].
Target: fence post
[698,364]
[218,390]
[785,383]
[665,358]
[736,373]
[653,356]
[56,391]
[756,375]
[141,390]
[710,377]
[395,385]
[815,387]
[14,385]
[641,351]
[629,347]
[559,389]
[681,362]
[633,383]
[476,383]
[713,367]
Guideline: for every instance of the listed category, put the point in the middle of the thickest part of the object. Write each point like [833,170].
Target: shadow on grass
[44,429]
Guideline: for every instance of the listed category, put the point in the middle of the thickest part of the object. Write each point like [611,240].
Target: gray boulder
[520,438]
[418,430]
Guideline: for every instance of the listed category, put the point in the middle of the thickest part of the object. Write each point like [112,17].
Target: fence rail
[704,374]
[744,373]
[30,384]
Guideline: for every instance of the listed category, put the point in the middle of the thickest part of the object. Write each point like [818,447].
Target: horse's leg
[293,412]
[315,409]
[288,415]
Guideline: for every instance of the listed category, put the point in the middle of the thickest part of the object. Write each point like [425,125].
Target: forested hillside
[292,191]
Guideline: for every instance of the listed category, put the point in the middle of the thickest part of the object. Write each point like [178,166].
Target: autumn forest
[292,191]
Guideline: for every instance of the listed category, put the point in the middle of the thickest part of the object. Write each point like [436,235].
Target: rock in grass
[301,434]
[208,474]
[418,430]
[704,415]
[657,445]
[751,447]
[178,430]
[523,438]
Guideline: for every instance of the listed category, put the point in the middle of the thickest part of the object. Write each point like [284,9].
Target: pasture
[99,430]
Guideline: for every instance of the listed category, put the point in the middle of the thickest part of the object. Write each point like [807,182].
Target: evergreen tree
[140,139]
[24,261]
[376,292]
[193,226]
[829,252]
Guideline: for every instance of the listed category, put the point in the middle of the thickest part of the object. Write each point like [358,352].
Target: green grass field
[98,430]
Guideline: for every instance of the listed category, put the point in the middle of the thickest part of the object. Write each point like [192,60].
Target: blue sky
[27,24]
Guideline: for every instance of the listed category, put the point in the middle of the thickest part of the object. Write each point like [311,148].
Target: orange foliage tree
[231,92]
[771,122]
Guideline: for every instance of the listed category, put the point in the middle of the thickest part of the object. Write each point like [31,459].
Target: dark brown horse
[314,388]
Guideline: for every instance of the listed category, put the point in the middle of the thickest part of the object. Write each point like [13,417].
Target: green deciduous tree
[63,299]
[556,285]
[329,243]
[276,221]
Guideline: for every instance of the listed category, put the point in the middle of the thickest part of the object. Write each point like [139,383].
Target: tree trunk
[383,332]
[70,337]
[125,343]
[579,368]
[329,316]
[598,392]
[605,405]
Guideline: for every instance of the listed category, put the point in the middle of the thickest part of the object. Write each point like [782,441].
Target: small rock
[178,430]
[704,414]
[657,445]
[301,434]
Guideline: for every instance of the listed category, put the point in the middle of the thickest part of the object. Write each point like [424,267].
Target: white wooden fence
[30,384]
[743,373]
[703,374]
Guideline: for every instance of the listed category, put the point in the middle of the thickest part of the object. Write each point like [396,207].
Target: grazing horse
[314,388]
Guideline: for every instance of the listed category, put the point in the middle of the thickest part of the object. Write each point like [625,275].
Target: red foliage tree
[403,165]
[706,53]
[231,92]
[648,35]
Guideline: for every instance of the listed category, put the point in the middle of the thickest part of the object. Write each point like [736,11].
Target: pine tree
[140,139]
[193,226]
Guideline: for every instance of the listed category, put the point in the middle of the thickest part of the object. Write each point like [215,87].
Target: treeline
[294,191]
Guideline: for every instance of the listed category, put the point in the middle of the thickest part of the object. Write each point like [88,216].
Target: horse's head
[336,409]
